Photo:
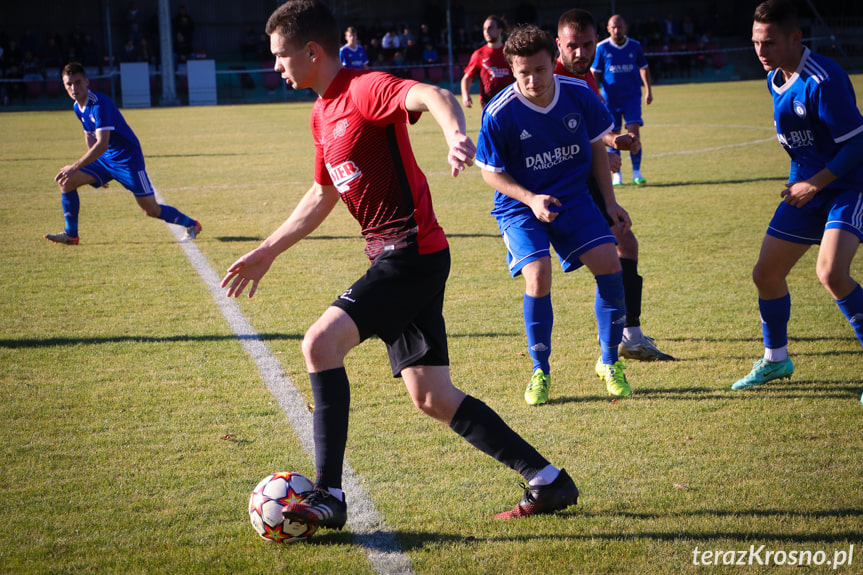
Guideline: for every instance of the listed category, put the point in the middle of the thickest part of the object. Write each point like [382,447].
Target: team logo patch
[572,122]
[799,109]
[340,129]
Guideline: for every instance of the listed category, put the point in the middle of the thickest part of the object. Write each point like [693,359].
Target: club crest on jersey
[572,122]
[799,109]
[343,174]
[340,129]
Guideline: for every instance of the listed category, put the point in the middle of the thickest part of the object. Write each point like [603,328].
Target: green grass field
[134,425]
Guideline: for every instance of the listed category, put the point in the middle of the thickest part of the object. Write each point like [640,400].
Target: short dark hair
[527,40]
[578,20]
[499,20]
[303,21]
[783,13]
[73,68]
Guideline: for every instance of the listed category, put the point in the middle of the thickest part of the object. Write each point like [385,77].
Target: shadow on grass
[70,341]
[781,180]
[414,540]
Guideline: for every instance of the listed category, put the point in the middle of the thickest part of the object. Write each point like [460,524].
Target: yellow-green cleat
[615,380]
[537,390]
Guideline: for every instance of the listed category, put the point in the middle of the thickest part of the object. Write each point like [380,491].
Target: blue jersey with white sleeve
[353,57]
[546,150]
[620,69]
[815,112]
[100,113]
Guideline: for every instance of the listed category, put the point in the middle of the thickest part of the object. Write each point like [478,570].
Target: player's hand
[63,176]
[798,194]
[461,153]
[614,162]
[543,205]
[249,268]
[648,98]
[467,102]
[620,217]
[627,142]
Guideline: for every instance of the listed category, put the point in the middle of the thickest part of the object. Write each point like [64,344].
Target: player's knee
[627,246]
[835,280]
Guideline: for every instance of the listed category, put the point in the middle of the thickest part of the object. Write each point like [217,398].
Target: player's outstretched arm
[444,108]
[313,209]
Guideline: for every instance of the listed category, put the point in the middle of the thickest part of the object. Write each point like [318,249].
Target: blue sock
[610,314]
[538,322]
[775,314]
[173,216]
[636,160]
[852,307]
[71,204]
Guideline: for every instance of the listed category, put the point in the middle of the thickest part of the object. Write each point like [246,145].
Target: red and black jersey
[493,70]
[561,70]
[362,148]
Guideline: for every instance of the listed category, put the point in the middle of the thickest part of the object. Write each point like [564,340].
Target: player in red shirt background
[489,64]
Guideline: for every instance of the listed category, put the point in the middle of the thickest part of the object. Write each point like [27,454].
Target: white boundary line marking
[364,521]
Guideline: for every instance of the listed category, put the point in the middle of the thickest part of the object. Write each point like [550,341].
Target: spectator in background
[183,24]
[390,43]
[182,48]
[90,56]
[430,55]
[249,45]
[352,54]
[130,52]
[373,49]
[54,55]
[31,67]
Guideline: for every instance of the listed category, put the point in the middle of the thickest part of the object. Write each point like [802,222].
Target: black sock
[485,430]
[332,393]
[632,283]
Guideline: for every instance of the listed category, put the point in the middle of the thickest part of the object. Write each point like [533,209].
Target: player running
[621,68]
[541,139]
[363,156]
[113,153]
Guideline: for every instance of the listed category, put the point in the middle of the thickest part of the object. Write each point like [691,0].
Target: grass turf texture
[134,426]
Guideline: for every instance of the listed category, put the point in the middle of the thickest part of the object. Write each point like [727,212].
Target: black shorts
[400,300]
[596,194]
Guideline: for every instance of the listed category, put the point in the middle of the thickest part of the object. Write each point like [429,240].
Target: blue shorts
[132,178]
[805,225]
[573,232]
[625,113]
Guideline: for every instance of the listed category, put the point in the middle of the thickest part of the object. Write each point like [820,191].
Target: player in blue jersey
[621,68]
[113,153]
[352,54]
[540,141]
[821,128]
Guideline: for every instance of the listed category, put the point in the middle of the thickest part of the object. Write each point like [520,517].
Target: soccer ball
[266,502]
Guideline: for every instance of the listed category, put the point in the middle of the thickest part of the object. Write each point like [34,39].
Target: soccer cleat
[638,179]
[643,350]
[764,371]
[62,238]
[318,508]
[615,380]
[193,230]
[537,390]
[542,499]
[616,179]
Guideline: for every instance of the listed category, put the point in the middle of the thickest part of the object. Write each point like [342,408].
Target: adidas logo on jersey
[524,135]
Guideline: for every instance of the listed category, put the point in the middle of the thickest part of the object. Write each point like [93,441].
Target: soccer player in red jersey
[489,63]
[363,156]
[576,42]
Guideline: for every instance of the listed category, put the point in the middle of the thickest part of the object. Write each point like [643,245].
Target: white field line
[364,521]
